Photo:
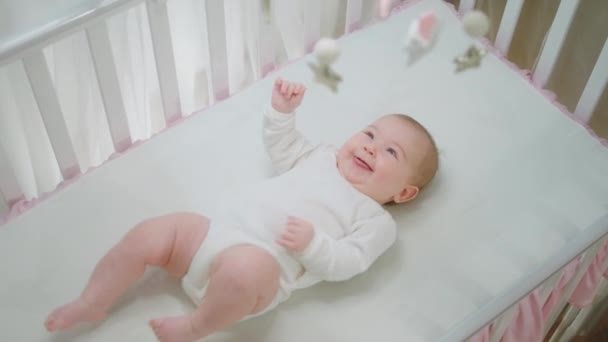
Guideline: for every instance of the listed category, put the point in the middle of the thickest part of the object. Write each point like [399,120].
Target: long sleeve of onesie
[284,144]
[340,259]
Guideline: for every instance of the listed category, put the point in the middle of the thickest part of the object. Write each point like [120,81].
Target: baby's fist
[287,96]
[297,236]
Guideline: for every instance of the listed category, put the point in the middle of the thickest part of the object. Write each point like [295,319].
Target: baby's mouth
[362,163]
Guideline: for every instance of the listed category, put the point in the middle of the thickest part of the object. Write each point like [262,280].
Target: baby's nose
[369,150]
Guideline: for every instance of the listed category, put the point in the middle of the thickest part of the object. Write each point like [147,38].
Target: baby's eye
[369,134]
[392,151]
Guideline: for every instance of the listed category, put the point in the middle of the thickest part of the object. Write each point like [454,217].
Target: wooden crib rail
[551,49]
[27,50]
[59,28]
[580,245]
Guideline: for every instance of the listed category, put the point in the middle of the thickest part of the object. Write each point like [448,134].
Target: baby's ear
[407,194]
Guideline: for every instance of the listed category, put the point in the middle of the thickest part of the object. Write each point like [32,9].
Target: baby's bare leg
[168,241]
[244,280]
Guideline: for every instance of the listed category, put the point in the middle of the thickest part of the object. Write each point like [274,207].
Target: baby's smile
[361,163]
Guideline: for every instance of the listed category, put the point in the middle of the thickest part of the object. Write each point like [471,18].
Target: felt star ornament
[476,24]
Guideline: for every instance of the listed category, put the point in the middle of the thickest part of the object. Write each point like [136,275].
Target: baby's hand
[287,96]
[297,236]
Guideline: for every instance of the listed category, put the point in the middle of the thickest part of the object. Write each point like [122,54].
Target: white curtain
[289,28]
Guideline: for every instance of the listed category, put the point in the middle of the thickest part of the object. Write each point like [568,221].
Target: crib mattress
[518,180]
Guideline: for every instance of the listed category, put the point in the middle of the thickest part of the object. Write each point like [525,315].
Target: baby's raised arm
[284,144]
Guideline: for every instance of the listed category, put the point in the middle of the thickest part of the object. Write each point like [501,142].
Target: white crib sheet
[518,180]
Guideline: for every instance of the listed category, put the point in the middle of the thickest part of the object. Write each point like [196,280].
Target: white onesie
[351,229]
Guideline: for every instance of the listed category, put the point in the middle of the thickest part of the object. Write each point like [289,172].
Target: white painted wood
[595,86]
[312,10]
[39,77]
[584,315]
[554,41]
[583,266]
[10,191]
[465,6]
[258,38]
[353,15]
[507,24]
[569,317]
[41,34]
[218,55]
[160,31]
[101,52]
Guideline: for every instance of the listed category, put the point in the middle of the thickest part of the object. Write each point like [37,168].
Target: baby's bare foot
[75,312]
[173,329]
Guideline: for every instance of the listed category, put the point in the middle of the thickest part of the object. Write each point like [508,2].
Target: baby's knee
[246,268]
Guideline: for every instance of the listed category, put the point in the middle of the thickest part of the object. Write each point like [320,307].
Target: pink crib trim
[123,145]
[222,94]
[72,172]
[267,68]
[357,25]
[527,323]
[586,288]
[13,201]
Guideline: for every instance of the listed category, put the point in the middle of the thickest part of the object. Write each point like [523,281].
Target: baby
[320,219]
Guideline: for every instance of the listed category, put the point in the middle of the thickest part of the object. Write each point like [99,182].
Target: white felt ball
[476,23]
[327,50]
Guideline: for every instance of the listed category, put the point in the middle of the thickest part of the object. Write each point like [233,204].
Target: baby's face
[380,161]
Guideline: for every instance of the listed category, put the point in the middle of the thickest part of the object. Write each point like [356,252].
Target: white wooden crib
[471,248]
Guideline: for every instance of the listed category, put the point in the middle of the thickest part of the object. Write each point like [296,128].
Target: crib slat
[313,31]
[554,41]
[259,46]
[465,6]
[266,47]
[353,15]
[507,24]
[218,55]
[595,86]
[158,19]
[39,76]
[101,51]
[10,191]
[252,22]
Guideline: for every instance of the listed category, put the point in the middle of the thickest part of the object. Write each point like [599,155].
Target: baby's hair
[430,162]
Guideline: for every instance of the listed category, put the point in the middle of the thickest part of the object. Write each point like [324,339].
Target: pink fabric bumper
[529,321]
